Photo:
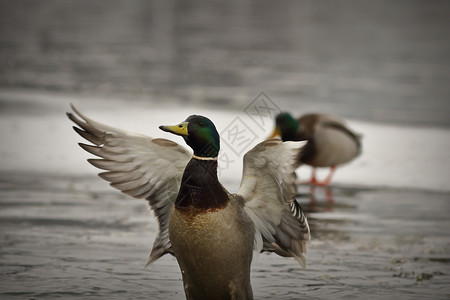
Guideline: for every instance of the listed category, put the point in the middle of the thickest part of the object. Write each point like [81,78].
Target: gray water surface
[73,238]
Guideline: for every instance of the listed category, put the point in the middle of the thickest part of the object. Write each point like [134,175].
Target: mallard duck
[330,141]
[211,232]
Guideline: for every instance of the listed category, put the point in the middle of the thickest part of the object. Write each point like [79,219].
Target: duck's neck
[292,132]
[292,135]
[200,187]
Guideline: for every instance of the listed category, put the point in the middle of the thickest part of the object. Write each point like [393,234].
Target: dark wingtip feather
[91,149]
[76,120]
[91,138]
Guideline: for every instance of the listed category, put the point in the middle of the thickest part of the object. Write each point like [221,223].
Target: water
[74,238]
[381,230]
[366,60]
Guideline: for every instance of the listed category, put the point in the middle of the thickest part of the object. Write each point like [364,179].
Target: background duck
[211,232]
[330,141]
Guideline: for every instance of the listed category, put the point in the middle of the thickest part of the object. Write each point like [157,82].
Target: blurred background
[380,61]
[137,64]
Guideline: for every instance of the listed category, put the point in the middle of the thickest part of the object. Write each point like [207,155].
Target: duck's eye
[201,124]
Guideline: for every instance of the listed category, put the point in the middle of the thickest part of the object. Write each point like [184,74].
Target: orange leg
[326,181]
[330,175]
[313,180]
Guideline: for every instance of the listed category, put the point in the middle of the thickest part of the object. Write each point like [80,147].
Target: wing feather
[137,165]
[268,189]
[118,176]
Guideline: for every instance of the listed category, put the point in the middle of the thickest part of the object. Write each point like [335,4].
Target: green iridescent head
[199,133]
[286,126]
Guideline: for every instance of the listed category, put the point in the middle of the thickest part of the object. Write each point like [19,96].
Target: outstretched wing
[268,188]
[138,165]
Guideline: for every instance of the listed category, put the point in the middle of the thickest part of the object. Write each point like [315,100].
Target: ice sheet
[37,137]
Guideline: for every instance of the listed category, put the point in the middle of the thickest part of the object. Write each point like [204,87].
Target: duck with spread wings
[211,232]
